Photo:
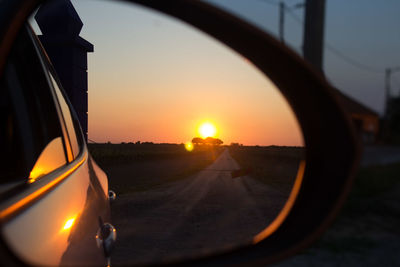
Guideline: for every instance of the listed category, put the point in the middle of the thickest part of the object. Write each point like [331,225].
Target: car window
[68,118]
[30,133]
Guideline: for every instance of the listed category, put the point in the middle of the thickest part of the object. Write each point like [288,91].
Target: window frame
[44,59]
[50,70]
[10,188]
[75,131]
[20,197]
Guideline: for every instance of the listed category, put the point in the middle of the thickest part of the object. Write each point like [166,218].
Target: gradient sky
[152,78]
[365,31]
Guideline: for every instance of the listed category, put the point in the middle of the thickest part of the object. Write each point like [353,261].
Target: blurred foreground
[367,232]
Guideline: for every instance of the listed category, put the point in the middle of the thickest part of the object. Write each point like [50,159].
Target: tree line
[207,141]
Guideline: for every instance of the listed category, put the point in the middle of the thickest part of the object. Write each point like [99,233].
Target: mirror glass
[200,147]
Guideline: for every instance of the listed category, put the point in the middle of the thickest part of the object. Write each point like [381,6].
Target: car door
[53,196]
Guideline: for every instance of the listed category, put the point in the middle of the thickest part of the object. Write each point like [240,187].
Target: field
[275,166]
[175,203]
[139,167]
[366,233]
[171,202]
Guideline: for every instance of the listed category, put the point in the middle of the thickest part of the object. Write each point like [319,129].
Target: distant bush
[208,141]
[123,153]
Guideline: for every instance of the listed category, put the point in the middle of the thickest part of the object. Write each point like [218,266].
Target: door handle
[106,237]
[111,195]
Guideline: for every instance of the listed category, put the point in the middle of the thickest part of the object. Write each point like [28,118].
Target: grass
[190,169]
[371,213]
[375,180]
[275,166]
[125,153]
[346,244]
[141,167]
[370,189]
[369,217]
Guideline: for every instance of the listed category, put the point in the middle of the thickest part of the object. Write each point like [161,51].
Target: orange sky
[152,78]
[157,79]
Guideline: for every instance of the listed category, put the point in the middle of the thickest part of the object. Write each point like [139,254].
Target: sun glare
[69,223]
[189,146]
[207,130]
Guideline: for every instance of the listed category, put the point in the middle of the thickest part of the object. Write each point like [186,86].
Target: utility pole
[282,21]
[282,9]
[388,73]
[314,32]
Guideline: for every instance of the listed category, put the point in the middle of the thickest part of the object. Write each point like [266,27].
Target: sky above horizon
[362,38]
[152,78]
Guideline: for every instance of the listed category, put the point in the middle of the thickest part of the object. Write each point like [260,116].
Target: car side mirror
[332,153]
[331,156]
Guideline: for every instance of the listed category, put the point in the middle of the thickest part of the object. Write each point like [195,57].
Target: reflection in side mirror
[199,145]
[241,172]
[51,158]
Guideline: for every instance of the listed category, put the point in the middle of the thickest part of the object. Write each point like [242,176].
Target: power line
[294,16]
[352,61]
[329,47]
[270,2]
[338,53]
[396,81]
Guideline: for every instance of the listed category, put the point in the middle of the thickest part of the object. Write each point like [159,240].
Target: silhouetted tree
[218,141]
[207,141]
[213,141]
[197,140]
[147,143]
[236,144]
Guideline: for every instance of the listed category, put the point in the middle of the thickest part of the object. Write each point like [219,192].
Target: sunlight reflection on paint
[51,158]
[69,223]
[189,146]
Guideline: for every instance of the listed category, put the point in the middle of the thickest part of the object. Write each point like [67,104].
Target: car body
[54,198]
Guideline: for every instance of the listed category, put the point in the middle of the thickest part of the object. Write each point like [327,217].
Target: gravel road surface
[203,213]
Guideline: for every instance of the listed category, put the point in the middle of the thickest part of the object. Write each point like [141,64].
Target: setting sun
[207,130]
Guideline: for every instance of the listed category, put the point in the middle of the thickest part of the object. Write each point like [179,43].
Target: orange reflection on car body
[51,158]
[26,200]
[69,223]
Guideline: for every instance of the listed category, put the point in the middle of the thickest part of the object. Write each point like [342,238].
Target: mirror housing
[332,153]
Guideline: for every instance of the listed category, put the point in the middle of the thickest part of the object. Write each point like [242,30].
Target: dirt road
[204,212]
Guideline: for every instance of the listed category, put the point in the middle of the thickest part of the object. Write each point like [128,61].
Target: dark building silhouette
[365,120]
[391,122]
[60,25]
